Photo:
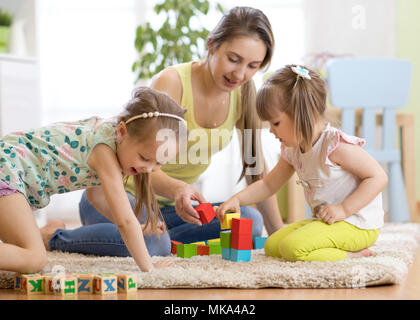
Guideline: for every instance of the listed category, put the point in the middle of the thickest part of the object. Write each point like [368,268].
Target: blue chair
[370,84]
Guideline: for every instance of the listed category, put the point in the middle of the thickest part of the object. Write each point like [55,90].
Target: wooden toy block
[105,284]
[241,241]
[215,248]
[225,239]
[65,285]
[206,212]
[85,283]
[240,255]
[241,226]
[213,241]
[32,284]
[186,250]
[49,282]
[259,242]
[227,220]
[203,250]
[174,245]
[17,281]
[127,283]
[225,253]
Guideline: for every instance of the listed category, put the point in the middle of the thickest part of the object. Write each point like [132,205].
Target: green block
[215,248]
[186,250]
[225,239]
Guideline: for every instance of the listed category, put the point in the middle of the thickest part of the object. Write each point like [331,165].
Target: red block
[203,250]
[173,246]
[206,212]
[241,226]
[241,241]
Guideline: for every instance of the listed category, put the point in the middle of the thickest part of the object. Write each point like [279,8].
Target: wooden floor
[409,289]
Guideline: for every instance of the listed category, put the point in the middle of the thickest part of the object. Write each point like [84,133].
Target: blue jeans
[99,236]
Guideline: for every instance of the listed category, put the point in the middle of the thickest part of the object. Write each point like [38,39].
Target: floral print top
[53,159]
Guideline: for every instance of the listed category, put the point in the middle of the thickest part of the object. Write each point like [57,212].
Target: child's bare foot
[361,253]
[48,230]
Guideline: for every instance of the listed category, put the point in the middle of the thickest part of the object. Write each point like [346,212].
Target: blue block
[226,253]
[259,242]
[240,255]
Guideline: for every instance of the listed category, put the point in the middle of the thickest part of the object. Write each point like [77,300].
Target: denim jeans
[99,236]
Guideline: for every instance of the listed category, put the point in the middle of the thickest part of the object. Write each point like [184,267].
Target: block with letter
[206,212]
[17,281]
[259,242]
[85,283]
[127,283]
[105,283]
[227,219]
[65,285]
[49,282]
[32,284]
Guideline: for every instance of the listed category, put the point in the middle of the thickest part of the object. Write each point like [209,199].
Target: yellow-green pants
[315,240]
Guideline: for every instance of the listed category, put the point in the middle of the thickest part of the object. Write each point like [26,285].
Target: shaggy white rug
[395,247]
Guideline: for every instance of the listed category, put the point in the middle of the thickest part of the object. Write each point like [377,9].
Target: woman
[218,94]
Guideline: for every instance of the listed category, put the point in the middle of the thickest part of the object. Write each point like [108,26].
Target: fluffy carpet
[395,247]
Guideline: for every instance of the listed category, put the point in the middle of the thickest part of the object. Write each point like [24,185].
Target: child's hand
[232,205]
[164,263]
[147,231]
[332,213]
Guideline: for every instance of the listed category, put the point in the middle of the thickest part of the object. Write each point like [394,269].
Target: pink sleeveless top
[327,183]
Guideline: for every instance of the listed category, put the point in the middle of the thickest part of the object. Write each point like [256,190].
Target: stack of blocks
[237,242]
[212,246]
[74,284]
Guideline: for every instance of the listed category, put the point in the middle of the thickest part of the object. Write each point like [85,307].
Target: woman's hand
[332,213]
[232,205]
[183,197]
[147,231]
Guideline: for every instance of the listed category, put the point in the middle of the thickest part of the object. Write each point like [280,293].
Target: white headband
[154,114]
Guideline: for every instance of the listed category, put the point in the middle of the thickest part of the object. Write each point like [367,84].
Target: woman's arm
[260,192]
[104,161]
[358,161]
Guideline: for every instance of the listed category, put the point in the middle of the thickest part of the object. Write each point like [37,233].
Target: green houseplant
[5,22]
[175,41]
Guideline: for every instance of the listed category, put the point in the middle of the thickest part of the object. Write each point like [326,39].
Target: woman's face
[235,62]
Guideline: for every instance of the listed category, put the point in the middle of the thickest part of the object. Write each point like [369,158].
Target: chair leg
[398,206]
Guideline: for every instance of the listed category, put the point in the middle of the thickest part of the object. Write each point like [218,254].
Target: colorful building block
[49,283]
[85,283]
[32,284]
[203,250]
[225,253]
[240,255]
[259,242]
[227,220]
[65,285]
[206,212]
[174,245]
[215,248]
[17,281]
[241,241]
[186,250]
[199,243]
[241,226]
[213,241]
[127,283]
[225,237]
[105,284]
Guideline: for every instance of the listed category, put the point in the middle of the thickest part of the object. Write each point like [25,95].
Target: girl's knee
[159,246]
[257,220]
[271,247]
[290,250]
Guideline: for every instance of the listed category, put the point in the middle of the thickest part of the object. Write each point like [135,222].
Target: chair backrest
[370,84]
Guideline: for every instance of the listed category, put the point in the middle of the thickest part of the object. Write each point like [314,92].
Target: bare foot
[362,253]
[48,230]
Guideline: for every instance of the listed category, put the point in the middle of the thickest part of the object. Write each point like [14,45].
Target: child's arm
[358,161]
[104,161]
[258,191]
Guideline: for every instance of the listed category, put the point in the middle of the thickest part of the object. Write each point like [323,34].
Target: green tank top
[202,142]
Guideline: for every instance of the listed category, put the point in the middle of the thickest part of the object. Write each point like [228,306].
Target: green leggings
[315,240]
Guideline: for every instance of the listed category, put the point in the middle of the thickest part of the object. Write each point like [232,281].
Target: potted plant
[175,41]
[5,22]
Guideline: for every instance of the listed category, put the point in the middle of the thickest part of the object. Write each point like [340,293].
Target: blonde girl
[84,154]
[342,182]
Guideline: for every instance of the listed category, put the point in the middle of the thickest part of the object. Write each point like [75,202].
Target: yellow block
[227,220]
[200,242]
